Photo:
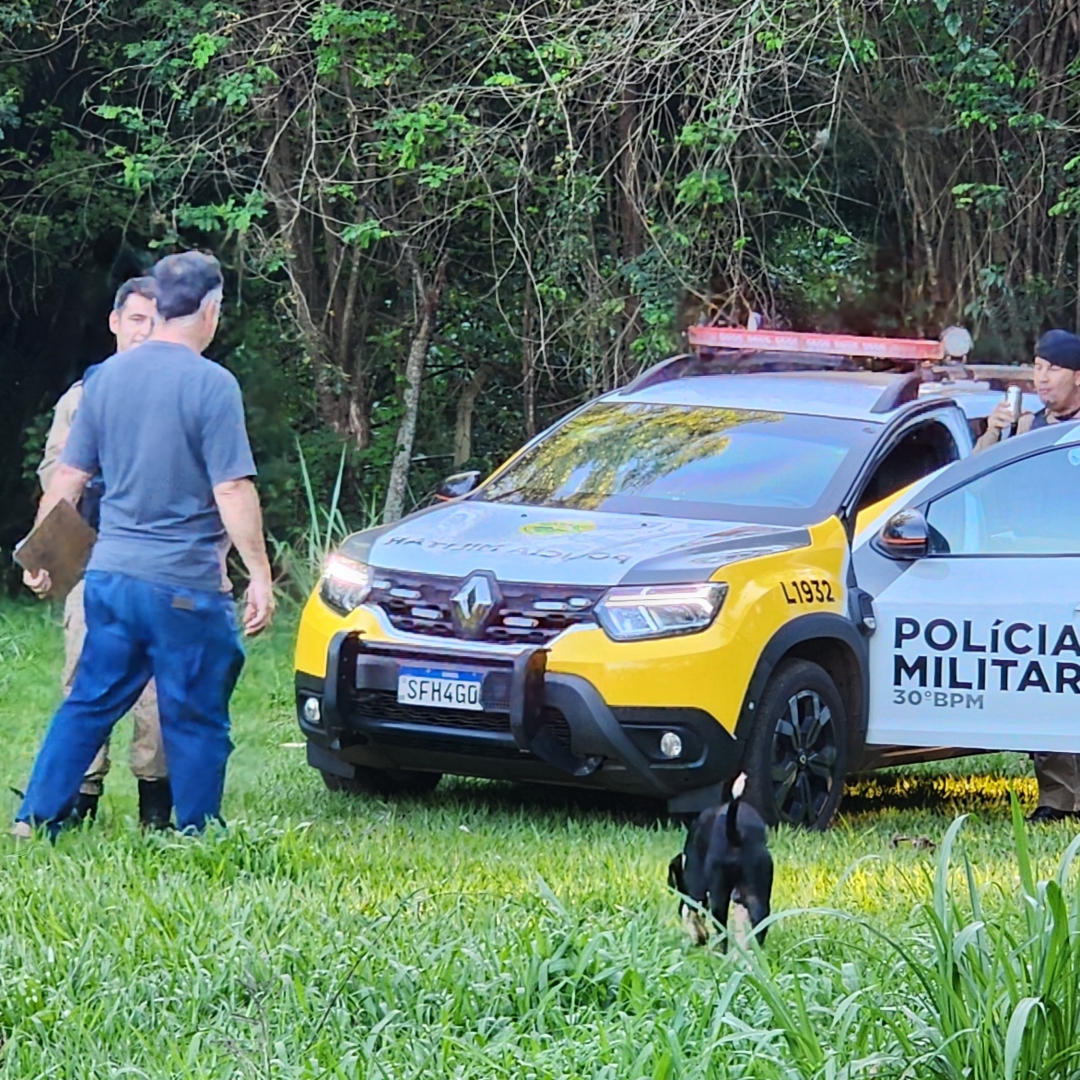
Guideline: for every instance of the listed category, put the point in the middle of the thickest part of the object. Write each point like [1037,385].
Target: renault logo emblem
[473,603]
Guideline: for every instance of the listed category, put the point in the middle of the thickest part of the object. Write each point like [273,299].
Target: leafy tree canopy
[447,223]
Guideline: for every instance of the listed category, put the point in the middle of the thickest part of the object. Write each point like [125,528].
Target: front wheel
[382,782]
[796,759]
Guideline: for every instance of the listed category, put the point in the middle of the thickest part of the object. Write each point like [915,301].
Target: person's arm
[59,430]
[63,416]
[997,422]
[230,467]
[238,504]
[65,482]
[78,463]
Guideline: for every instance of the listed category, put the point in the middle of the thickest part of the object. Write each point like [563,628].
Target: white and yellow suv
[649,596]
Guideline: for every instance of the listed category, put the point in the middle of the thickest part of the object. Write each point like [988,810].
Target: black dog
[725,858]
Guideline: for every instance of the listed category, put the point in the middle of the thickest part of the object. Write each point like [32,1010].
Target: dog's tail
[731,818]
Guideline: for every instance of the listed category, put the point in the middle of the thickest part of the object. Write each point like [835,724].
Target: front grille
[382,706]
[527,614]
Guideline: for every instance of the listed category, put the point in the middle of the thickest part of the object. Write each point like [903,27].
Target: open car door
[975,579]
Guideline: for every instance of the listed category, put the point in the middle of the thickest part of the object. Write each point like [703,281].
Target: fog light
[670,744]
[312,710]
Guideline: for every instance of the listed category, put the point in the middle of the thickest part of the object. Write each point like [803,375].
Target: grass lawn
[491,931]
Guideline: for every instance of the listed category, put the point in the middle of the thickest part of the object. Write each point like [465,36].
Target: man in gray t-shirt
[165,426]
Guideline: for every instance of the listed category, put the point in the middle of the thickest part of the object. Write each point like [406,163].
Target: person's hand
[40,584]
[259,606]
[1000,419]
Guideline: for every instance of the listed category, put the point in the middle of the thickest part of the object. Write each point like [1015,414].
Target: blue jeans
[187,640]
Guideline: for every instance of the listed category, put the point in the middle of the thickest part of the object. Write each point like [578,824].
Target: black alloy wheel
[796,759]
[803,756]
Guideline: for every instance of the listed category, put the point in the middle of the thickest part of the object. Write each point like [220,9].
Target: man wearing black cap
[165,427]
[1057,380]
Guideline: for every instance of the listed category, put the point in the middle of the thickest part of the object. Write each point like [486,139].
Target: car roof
[872,397]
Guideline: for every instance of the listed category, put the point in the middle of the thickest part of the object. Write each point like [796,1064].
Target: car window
[922,450]
[689,461]
[1028,507]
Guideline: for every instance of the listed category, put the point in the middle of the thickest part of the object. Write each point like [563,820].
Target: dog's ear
[675,878]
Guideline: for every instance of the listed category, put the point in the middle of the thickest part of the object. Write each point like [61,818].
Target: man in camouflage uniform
[1057,380]
[131,321]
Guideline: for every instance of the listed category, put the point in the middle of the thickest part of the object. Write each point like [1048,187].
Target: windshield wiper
[504,496]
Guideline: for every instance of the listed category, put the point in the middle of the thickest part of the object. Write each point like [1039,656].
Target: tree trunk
[632,228]
[414,377]
[528,362]
[309,287]
[463,421]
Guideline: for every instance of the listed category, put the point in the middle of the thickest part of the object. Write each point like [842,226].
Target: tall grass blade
[1023,852]
[314,533]
[1065,865]
[941,875]
[1014,1036]
[324,531]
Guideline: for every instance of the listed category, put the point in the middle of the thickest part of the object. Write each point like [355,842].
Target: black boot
[85,808]
[155,804]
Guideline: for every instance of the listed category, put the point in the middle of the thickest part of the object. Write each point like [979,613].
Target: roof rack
[903,391]
[988,376]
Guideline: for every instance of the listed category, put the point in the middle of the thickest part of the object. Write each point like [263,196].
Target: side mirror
[905,536]
[453,487]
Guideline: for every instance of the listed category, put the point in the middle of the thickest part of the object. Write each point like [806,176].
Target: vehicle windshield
[693,461]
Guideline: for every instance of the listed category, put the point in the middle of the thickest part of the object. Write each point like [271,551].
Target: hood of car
[571,547]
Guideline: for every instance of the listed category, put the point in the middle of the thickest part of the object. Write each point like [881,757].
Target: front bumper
[536,725]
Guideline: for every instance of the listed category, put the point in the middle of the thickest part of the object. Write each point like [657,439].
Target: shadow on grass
[865,795]
[940,793]
[549,801]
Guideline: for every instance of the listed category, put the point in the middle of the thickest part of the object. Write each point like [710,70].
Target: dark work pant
[1059,780]
[187,640]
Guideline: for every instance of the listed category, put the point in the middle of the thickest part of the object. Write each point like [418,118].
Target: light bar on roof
[734,337]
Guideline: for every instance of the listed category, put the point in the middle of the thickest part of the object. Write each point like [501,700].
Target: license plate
[439,688]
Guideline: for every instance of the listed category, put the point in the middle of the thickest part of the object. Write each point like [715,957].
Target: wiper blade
[504,496]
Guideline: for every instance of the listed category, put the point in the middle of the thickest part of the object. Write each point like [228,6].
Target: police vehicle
[660,590]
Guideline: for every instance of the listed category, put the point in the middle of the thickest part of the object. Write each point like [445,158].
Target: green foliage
[1006,991]
[821,269]
[233,215]
[34,437]
[595,182]
[302,560]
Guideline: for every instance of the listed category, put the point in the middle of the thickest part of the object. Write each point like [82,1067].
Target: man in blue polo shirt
[165,427]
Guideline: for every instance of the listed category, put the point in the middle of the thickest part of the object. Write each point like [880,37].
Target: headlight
[653,611]
[345,583]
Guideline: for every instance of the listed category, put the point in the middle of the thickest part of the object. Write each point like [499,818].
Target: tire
[383,782]
[797,754]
